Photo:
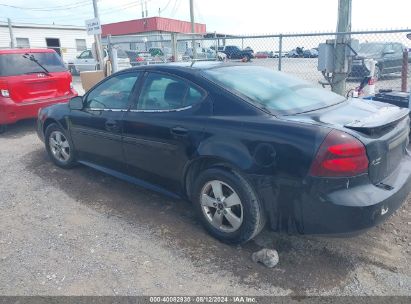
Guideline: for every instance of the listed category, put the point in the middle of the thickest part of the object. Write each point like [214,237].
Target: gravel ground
[81,232]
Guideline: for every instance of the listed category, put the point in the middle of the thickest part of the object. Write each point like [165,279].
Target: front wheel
[227,206]
[59,147]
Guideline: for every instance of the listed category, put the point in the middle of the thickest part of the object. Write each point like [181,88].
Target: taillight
[4,89]
[340,155]
[140,59]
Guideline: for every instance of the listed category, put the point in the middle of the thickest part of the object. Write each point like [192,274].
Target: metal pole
[174,46]
[341,62]
[97,40]
[404,71]
[12,45]
[111,55]
[193,43]
[280,51]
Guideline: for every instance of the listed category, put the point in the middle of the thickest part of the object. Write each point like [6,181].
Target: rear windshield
[273,91]
[16,64]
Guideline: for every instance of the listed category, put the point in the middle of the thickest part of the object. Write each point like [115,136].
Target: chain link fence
[296,54]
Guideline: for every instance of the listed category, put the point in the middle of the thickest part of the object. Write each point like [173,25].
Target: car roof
[187,67]
[23,51]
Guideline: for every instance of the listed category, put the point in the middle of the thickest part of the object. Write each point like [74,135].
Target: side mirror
[76,103]
[389,52]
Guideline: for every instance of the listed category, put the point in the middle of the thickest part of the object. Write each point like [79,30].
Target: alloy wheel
[59,146]
[221,206]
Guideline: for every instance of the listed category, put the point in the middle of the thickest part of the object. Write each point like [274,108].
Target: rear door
[28,82]
[96,129]
[162,131]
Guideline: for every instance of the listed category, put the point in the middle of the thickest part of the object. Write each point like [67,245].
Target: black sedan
[247,145]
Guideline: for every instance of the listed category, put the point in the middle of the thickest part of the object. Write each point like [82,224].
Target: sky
[229,16]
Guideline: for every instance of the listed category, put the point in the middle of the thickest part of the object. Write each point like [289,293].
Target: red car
[261,55]
[31,79]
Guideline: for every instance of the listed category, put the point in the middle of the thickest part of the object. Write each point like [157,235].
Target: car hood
[356,114]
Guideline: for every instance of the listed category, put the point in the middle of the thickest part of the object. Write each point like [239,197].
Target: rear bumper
[11,112]
[309,208]
[355,209]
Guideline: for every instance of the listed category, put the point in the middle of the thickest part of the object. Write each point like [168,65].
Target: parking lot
[306,68]
[81,232]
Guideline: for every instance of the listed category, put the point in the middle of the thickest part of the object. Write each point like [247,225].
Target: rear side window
[270,90]
[164,92]
[16,64]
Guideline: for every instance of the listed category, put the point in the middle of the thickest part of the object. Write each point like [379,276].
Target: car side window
[164,92]
[85,55]
[114,93]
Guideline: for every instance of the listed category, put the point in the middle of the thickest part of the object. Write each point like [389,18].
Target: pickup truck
[234,52]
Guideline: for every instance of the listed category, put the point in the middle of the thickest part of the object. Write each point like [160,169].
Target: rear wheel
[377,72]
[73,70]
[3,128]
[227,206]
[246,58]
[59,146]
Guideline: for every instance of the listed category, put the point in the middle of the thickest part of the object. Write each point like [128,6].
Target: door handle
[179,131]
[111,126]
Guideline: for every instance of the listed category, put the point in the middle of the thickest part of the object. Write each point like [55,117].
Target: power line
[165,7]
[53,8]
[80,16]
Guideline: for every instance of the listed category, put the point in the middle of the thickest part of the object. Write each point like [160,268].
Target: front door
[85,61]
[96,130]
[162,131]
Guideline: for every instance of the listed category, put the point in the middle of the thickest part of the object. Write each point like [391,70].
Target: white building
[67,40]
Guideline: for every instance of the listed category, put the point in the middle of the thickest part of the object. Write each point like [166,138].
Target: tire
[246,58]
[73,70]
[215,210]
[59,147]
[378,72]
[3,128]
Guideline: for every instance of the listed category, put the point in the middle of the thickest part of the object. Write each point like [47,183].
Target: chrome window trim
[111,110]
[141,111]
[161,111]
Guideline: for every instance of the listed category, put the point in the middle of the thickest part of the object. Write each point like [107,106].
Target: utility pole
[341,60]
[97,41]
[12,45]
[145,4]
[142,9]
[193,43]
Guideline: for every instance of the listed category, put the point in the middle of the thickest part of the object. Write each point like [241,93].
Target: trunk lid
[382,128]
[39,86]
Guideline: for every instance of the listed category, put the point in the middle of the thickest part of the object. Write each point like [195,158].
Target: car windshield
[274,91]
[371,48]
[16,64]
